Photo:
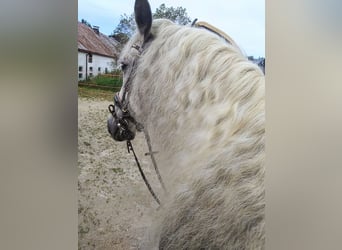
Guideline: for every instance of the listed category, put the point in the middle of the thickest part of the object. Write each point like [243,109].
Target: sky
[243,20]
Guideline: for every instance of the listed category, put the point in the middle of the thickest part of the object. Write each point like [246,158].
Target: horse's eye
[123,66]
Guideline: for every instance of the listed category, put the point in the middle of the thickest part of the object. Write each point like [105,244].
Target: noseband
[122,117]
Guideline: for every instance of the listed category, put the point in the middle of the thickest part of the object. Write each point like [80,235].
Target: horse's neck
[197,103]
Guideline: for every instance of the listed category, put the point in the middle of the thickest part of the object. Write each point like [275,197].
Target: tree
[125,29]
[177,15]
[127,26]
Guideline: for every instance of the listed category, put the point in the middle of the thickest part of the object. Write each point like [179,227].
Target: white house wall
[99,65]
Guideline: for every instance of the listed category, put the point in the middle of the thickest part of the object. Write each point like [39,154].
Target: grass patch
[101,86]
[95,93]
[108,80]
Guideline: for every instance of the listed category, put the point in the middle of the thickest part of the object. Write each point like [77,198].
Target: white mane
[202,102]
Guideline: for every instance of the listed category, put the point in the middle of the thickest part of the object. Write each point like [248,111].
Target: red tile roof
[89,41]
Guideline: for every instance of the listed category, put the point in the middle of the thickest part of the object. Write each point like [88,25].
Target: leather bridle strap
[151,154]
[217,31]
[130,148]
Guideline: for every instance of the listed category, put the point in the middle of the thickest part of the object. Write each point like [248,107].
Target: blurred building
[97,53]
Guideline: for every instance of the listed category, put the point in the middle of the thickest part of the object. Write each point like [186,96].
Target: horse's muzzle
[119,129]
[121,126]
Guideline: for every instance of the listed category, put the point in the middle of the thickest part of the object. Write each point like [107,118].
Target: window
[80,75]
[90,58]
[80,68]
[90,68]
[91,74]
[106,70]
[99,69]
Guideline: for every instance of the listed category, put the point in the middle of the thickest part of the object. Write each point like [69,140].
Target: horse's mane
[199,70]
[191,80]
[202,102]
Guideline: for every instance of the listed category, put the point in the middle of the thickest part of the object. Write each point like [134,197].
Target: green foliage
[127,26]
[177,15]
[102,86]
[105,80]
[125,29]
[95,92]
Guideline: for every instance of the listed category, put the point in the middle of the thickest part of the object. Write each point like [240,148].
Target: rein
[130,148]
[123,125]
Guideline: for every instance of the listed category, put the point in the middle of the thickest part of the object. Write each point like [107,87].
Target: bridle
[118,125]
[120,109]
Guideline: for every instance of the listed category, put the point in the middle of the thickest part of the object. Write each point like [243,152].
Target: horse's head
[122,124]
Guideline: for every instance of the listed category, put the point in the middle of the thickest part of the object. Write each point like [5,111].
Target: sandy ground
[115,207]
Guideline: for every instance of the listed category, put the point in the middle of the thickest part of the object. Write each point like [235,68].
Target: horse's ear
[143,17]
